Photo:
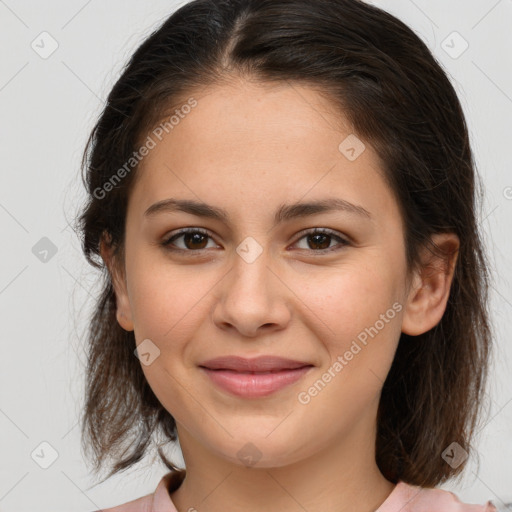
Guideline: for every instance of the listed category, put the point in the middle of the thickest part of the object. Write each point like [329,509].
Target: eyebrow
[284,213]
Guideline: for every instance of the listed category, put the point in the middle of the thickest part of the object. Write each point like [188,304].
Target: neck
[341,478]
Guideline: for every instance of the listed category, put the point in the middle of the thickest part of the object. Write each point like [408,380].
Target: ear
[430,287]
[123,311]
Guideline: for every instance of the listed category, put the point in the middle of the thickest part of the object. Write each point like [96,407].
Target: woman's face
[258,283]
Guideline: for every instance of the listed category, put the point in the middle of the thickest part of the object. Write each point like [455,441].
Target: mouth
[254,378]
[254,373]
[259,364]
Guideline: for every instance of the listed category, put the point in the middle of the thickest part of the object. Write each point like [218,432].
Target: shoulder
[410,498]
[143,504]
[159,501]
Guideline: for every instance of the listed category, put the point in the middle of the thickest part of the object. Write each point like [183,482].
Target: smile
[246,384]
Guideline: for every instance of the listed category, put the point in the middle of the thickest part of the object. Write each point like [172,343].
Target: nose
[251,299]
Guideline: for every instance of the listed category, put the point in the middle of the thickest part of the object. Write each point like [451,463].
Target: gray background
[48,106]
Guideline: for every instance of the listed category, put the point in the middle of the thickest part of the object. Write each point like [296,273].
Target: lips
[254,378]
[261,364]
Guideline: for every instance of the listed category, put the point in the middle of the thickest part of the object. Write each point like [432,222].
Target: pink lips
[253,378]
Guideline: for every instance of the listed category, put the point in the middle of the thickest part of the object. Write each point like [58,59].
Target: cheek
[166,300]
[169,304]
[350,297]
[357,314]
[360,308]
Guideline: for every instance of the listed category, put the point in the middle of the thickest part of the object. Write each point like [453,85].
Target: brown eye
[319,240]
[193,240]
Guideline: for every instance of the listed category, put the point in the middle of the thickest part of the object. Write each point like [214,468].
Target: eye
[319,240]
[196,239]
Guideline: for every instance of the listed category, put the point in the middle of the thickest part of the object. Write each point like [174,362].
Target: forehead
[248,117]
[259,141]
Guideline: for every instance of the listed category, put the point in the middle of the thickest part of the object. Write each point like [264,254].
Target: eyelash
[315,231]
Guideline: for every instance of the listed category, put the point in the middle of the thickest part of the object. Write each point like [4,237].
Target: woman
[283,197]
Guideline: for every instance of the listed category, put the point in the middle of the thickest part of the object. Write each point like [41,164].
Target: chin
[261,451]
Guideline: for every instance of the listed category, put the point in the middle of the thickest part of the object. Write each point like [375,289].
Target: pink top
[403,498]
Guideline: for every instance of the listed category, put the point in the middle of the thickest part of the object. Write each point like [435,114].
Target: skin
[249,148]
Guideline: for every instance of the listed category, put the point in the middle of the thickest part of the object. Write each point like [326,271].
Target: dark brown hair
[383,78]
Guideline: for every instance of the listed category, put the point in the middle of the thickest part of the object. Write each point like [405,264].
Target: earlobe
[124,321]
[430,289]
[123,311]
